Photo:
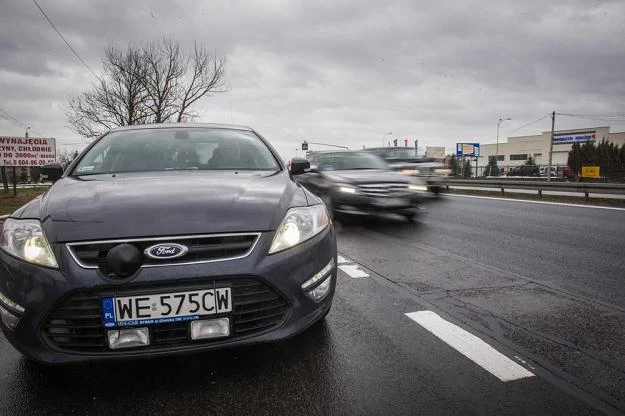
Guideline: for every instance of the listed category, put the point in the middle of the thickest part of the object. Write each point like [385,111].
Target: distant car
[406,161]
[361,183]
[524,170]
[161,240]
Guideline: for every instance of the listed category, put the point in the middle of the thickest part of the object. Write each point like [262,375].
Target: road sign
[591,172]
[305,145]
[467,149]
[26,151]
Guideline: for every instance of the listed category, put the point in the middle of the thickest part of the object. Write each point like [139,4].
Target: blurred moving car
[406,161]
[359,183]
[524,170]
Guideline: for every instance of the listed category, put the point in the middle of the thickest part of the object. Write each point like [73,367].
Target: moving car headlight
[414,172]
[24,239]
[347,189]
[417,188]
[299,224]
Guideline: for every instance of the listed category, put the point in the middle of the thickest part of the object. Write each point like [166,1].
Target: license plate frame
[167,307]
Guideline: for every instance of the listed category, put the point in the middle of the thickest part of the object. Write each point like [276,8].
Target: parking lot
[478,307]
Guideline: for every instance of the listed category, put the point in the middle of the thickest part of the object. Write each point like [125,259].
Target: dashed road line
[353,271]
[471,346]
[340,259]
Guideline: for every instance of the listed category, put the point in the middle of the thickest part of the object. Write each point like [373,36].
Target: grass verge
[9,203]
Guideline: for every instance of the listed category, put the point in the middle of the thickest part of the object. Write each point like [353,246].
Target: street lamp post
[497,147]
[384,137]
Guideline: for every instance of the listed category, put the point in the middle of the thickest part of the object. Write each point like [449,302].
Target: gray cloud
[339,71]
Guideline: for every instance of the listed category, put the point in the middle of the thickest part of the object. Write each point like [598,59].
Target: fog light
[212,328]
[320,275]
[8,302]
[8,318]
[128,338]
[320,291]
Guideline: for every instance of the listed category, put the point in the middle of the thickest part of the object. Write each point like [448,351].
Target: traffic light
[305,145]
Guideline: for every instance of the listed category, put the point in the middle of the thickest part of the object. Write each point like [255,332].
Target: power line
[605,117]
[529,124]
[12,119]
[64,40]
[9,117]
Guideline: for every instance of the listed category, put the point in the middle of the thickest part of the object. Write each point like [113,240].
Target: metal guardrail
[540,186]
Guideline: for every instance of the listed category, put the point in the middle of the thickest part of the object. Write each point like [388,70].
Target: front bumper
[43,291]
[359,204]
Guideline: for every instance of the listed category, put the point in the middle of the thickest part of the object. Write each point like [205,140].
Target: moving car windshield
[352,161]
[149,150]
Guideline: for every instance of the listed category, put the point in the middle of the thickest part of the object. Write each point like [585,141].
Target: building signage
[576,137]
[26,151]
[467,149]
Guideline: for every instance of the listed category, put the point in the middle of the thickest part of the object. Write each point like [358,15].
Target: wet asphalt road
[543,284]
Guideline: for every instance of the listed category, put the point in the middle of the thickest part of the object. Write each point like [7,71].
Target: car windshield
[168,149]
[400,153]
[352,161]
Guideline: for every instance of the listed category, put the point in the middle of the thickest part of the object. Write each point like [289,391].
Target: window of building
[500,158]
[519,157]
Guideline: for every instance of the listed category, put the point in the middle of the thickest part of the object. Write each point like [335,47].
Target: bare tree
[151,83]
[207,75]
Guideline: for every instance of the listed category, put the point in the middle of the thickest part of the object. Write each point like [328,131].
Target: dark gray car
[161,240]
[359,183]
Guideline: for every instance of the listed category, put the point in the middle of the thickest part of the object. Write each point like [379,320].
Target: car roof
[182,125]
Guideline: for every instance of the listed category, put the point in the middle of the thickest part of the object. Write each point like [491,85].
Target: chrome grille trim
[384,189]
[170,238]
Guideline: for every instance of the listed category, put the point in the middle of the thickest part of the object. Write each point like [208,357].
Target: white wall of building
[537,146]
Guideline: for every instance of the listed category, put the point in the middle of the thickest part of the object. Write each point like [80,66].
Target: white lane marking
[471,346]
[353,271]
[340,259]
[535,202]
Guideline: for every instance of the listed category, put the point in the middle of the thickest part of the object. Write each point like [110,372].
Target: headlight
[410,171]
[417,188]
[24,239]
[347,189]
[299,224]
[442,171]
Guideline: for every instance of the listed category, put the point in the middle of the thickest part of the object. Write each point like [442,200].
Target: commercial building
[515,151]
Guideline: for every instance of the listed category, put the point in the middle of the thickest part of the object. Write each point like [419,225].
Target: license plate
[166,307]
[391,202]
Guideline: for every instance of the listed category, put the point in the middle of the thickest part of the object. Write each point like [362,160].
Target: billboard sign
[27,151]
[591,171]
[435,152]
[576,137]
[467,149]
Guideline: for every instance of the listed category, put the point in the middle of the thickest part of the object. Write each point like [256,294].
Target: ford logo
[166,251]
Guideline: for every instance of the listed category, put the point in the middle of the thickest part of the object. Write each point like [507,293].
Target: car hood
[368,176]
[170,203]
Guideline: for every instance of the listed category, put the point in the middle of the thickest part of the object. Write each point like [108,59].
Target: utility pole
[553,124]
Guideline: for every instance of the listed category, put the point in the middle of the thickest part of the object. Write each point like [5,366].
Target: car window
[144,150]
[352,161]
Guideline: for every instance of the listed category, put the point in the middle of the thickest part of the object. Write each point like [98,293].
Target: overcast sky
[340,72]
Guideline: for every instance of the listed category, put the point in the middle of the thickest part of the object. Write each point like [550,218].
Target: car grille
[204,248]
[383,189]
[76,326]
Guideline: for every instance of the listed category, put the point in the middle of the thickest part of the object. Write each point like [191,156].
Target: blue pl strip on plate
[108,312]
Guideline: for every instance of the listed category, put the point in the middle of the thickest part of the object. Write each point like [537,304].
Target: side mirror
[299,165]
[53,171]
